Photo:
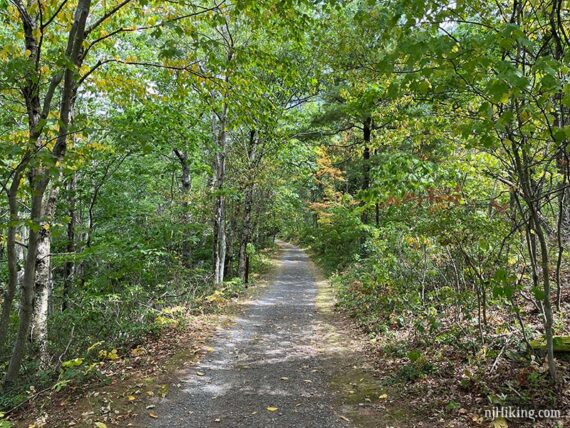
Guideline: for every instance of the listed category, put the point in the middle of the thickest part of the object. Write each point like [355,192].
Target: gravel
[273,368]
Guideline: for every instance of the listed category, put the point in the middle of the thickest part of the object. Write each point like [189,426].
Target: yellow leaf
[132,397]
[200,373]
[94,346]
[163,391]
[216,297]
[272,409]
[383,397]
[500,423]
[153,415]
[108,355]
[137,352]
[100,425]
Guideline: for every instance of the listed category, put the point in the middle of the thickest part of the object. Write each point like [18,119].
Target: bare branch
[49,21]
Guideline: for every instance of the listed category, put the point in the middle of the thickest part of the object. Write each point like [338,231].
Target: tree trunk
[228,264]
[44,282]
[532,201]
[366,134]
[246,234]
[253,162]
[219,130]
[186,186]
[40,176]
[12,255]
[38,183]
[69,267]
[246,270]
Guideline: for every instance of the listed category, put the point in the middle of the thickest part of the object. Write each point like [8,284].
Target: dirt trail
[286,352]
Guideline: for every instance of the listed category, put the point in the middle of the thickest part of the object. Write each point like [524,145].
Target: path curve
[284,354]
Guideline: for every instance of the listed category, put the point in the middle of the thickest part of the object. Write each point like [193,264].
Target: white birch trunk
[43,285]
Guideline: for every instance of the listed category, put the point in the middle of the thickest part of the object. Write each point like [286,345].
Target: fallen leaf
[137,352]
[153,415]
[200,373]
[131,397]
[284,378]
[344,418]
[383,397]
[217,420]
[163,391]
[272,409]
[100,425]
[500,423]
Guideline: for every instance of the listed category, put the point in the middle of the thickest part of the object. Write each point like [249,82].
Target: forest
[153,153]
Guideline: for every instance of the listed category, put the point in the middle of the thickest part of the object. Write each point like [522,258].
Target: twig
[59,360]
[30,398]
[494,366]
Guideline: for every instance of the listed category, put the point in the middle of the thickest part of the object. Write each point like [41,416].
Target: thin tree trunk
[186,186]
[69,266]
[246,234]
[219,128]
[253,160]
[228,264]
[367,133]
[522,169]
[39,184]
[12,254]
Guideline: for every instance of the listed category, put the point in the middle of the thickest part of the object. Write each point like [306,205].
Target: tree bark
[533,203]
[186,186]
[246,234]
[228,264]
[39,183]
[40,175]
[69,266]
[253,161]
[12,254]
[44,282]
[219,131]
[366,134]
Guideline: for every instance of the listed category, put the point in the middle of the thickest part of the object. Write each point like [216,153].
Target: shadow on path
[283,353]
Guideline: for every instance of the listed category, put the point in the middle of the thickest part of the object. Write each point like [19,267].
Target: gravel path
[283,354]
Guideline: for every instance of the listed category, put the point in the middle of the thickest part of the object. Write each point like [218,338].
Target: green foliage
[418,148]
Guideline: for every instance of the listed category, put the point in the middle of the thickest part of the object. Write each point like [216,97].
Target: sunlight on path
[275,367]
